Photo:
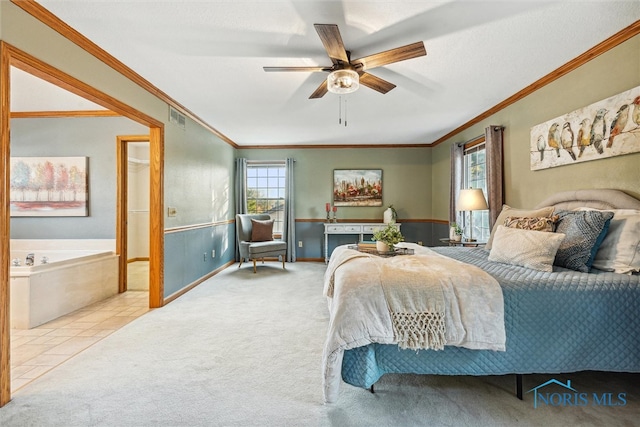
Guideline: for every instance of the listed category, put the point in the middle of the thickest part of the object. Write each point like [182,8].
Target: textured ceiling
[208,56]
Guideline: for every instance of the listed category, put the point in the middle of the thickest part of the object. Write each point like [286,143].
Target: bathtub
[70,279]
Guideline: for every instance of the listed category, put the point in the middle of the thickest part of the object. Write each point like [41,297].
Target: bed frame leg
[371,389]
[519,386]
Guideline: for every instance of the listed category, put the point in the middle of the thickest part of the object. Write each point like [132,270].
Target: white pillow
[620,249]
[526,248]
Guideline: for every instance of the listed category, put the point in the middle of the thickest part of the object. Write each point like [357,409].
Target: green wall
[406,179]
[614,72]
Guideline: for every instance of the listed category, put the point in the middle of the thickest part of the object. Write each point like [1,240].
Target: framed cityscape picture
[357,187]
[49,186]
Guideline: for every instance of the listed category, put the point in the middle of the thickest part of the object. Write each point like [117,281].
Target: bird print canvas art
[606,128]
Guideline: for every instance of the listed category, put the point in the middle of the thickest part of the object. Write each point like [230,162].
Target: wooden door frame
[12,56]
[122,205]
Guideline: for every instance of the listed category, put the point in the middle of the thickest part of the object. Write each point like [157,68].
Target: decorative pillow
[509,211]
[261,231]
[526,248]
[620,249]
[545,223]
[583,229]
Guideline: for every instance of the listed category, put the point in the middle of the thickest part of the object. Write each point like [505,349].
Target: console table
[353,228]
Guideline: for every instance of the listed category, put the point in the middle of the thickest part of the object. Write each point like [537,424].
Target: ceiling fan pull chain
[345,112]
[340,110]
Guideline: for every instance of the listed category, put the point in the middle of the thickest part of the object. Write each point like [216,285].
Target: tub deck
[70,280]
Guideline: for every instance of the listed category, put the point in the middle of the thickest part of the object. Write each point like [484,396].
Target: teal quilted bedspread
[558,322]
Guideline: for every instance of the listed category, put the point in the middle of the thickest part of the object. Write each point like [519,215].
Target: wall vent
[177,118]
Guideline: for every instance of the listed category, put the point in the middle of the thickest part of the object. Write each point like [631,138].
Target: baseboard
[187,288]
[130,260]
[297,259]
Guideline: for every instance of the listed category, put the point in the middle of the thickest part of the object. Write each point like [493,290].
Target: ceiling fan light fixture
[343,81]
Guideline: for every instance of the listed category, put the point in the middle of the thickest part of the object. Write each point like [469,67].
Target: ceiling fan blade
[332,41]
[320,91]
[305,69]
[409,51]
[375,83]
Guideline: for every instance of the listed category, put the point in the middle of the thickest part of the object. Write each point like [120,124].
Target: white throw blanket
[416,302]
[360,315]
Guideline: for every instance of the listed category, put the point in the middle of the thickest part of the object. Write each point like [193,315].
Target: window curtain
[495,188]
[457,165]
[241,191]
[289,228]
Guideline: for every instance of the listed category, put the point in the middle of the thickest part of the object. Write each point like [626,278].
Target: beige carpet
[245,349]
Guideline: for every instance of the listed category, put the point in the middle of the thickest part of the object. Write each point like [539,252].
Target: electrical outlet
[299,243]
[172,211]
[213,253]
[420,242]
[204,256]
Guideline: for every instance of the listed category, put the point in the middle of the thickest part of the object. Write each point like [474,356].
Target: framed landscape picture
[49,186]
[357,187]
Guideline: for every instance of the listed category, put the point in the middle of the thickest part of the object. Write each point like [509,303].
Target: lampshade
[343,81]
[471,199]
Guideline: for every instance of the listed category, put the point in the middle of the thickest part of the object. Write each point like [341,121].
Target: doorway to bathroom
[13,57]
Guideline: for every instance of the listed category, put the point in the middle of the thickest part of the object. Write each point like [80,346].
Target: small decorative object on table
[390,214]
[455,232]
[387,237]
[335,214]
[327,207]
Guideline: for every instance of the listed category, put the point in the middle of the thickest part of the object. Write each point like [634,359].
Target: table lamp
[471,199]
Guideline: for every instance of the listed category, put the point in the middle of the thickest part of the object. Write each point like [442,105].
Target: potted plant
[455,232]
[386,238]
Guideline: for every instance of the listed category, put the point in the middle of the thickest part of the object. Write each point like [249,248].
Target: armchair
[251,249]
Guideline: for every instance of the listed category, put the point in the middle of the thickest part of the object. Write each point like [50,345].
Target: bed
[557,321]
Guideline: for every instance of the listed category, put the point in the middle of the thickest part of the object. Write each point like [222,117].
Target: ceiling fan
[346,74]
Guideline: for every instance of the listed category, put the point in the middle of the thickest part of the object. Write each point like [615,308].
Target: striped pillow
[585,231]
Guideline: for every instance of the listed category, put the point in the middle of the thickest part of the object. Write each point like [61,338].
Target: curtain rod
[495,127]
[460,144]
[267,162]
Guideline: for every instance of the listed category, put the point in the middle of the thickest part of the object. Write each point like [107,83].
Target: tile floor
[138,276]
[38,350]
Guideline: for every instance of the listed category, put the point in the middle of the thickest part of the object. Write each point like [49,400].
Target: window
[265,191]
[475,176]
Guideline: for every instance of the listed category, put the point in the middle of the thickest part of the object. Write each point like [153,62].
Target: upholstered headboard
[595,198]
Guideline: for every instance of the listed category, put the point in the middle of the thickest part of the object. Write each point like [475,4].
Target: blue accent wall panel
[440,231]
[188,256]
[312,236]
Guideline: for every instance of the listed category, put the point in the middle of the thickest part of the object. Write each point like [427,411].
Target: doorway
[11,56]
[133,199]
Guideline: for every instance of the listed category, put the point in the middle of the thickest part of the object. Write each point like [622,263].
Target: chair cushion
[274,247]
[261,231]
